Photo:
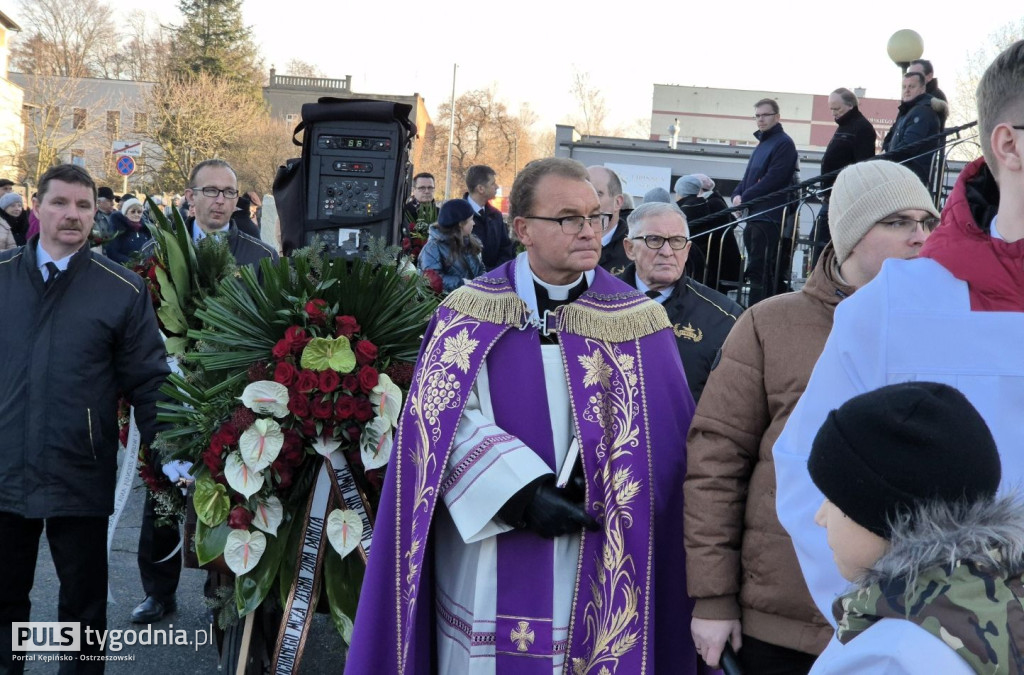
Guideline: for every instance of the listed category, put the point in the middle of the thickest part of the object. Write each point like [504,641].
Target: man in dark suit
[489,225]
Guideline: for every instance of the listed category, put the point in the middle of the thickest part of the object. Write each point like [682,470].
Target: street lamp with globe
[905,46]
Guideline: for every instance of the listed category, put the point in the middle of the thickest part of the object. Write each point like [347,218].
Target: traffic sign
[130,148]
[125,165]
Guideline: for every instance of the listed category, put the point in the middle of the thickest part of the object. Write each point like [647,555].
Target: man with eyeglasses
[534,490]
[772,166]
[739,561]
[701,317]
[609,193]
[953,315]
[422,195]
[213,190]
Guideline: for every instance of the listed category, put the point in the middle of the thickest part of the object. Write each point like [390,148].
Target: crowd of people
[633,473]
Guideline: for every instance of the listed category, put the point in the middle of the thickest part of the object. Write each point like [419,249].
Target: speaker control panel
[351,197]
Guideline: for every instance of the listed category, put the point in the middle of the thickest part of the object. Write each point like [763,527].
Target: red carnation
[315,310]
[364,410]
[322,408]
[308,381]
[281,349]
[350,383]
[213,461]
[345,408]
[366,352]
[346,326]
[367,378]
[285,373]
[240,518]
[329,381]
[298,405]
[227,434]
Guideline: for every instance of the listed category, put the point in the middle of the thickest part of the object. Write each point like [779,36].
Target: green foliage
[213,39]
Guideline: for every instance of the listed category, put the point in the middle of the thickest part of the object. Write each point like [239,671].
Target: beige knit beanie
[867,192]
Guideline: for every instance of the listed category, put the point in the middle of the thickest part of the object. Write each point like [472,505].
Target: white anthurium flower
[243,550]
[266,398]
[261,443]
[344,530]
[241,477]
[268,514]
[375,443]
[386,398]
[325,446]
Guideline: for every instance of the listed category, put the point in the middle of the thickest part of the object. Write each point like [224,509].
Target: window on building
[113,122]
[78,157]
[79,116]
[139,124]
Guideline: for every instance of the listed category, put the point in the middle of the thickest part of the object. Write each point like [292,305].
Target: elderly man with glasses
[701,317]
[530,520]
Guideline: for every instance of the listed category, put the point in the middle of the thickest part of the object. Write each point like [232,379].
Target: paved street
[324,649]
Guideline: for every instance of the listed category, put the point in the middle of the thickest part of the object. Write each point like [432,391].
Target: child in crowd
[910,473]
[452,250]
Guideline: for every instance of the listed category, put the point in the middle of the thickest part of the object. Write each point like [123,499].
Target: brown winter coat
[740,563]
[6,236]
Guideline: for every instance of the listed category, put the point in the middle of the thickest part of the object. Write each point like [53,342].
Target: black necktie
[653,295]
[52,273]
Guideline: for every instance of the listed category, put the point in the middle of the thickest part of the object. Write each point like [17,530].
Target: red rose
[345,407]
[284,474]
[366,352]
[227,434]
[367,378]
[322,408]
[308,381]
[329,381]
[309,427]
[434,280]
[298,405]
[364,410]
[350,383]
[292,443]
[345,326]
[354,433]
[296,338]
[285,373]
[240,518]
[315,310]
[281,349]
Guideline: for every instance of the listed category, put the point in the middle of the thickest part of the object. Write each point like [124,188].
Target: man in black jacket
[213,189]
[609,193]
[77,331]
[488,223]
[701,317]
[422,195]
[931,83]
[854,141]
[919,117]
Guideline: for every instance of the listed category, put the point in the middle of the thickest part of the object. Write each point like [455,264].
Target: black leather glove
[550,513]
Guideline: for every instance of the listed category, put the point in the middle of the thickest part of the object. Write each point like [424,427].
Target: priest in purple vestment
[531,519]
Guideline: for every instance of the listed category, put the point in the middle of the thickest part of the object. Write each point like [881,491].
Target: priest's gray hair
[636,217]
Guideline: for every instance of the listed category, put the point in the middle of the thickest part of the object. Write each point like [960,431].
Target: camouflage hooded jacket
[955,572]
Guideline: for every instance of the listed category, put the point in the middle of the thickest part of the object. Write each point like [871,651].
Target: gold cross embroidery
[523,636]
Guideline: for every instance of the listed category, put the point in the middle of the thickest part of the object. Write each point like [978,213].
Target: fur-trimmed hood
[988,534]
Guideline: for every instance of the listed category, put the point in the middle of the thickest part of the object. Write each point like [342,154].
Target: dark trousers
[159,579]
[79,550]
[822,235]
[762,658]
[761,239]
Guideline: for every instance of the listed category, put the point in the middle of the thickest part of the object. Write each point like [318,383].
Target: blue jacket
[771,168]
[917,119]
[435,256]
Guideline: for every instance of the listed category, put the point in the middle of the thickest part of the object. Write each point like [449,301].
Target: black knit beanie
[883,452]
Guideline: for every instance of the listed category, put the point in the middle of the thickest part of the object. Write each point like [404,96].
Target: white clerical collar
[556,292]
[525,288]
[198,233]
[477,208]
[606,238]
[42,257]
[643,288]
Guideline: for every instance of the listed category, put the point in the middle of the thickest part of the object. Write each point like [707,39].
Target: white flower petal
[261,443]
[242,478]
[344,529]
[243,549]
[268,515]
[375,443]
[386,398]
[325,446]
[266,398]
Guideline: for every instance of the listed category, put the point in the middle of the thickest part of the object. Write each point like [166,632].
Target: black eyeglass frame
[206,192]
[603,219]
